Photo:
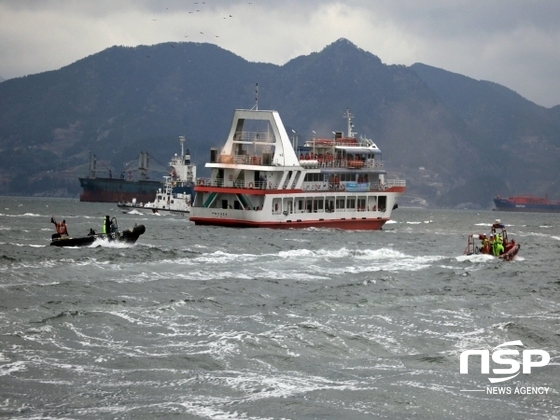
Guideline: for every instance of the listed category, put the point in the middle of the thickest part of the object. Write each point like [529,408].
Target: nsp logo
[498,356]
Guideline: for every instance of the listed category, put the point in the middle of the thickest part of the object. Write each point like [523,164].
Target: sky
[515,43]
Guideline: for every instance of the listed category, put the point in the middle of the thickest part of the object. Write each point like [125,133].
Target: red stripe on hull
[347,224]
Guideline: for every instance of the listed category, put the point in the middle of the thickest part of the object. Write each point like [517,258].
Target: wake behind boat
[259,180]
[111,234]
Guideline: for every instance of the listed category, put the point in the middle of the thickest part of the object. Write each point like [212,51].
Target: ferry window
[351,203]
[382,201]
[288,205]
[277,205]
[361,203]
[300,205]
[308,205]
[340,203]
[319,204]
[314,177]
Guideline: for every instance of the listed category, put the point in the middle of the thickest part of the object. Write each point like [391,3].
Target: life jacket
[61,229]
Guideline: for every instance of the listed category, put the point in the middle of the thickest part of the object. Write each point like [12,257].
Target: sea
[197,322]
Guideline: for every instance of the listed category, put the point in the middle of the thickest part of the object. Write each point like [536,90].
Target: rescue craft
[489,244]
[113,234]
[260,179]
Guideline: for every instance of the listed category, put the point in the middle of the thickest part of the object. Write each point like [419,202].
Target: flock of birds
[198,10]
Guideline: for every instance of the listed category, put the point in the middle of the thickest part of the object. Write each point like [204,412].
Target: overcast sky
[512,42]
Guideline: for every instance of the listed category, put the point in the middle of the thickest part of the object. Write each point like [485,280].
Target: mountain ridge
[456,140]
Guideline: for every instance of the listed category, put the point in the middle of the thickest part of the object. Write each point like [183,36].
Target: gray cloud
[511,42]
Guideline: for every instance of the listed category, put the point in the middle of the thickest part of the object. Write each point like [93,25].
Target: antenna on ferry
[256,107]
[349,117]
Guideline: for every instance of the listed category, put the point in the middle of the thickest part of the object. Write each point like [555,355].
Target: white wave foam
[419,223]
[136,212]
[221,257]
[110,244]
[475,258]
[10,368]
[21,215]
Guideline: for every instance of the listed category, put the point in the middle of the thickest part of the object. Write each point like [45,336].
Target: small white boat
[260,179]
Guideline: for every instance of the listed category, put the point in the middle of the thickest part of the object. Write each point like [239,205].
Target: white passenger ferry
[260,179]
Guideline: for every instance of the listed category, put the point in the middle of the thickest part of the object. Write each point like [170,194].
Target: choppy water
[216,323]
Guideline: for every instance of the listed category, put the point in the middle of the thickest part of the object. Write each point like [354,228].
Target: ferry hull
[346,224]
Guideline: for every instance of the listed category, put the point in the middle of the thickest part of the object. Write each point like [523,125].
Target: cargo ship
[142,190]
[527,203]
[112,190]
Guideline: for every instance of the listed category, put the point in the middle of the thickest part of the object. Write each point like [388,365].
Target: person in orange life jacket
[484,245]
[60,227]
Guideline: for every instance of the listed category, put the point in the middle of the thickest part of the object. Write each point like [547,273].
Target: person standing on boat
[105,227]
[484,245]
[60,227]
[498,246]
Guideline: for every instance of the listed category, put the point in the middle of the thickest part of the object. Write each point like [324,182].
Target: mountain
[457,141]
[521,138]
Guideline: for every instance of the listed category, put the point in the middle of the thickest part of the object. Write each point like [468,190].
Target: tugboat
[496,243]
[110,233]
[175,195]
[258,179]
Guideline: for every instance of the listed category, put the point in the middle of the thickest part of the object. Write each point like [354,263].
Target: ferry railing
[219,182]
[316,162]
[242,159]
[340,163]
[253,136]
[350,186]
